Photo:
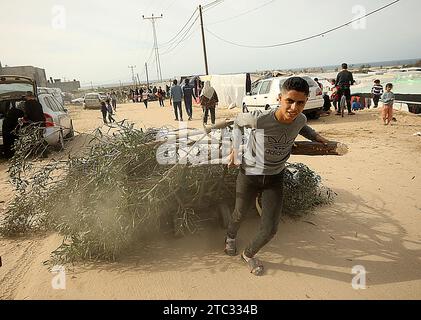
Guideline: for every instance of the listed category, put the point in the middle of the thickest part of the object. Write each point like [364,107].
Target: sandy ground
[375,222]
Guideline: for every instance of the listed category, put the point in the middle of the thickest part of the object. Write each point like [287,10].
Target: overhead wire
[303,39]
[241,14]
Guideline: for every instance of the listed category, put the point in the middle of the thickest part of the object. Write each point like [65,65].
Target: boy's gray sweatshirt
[270,142]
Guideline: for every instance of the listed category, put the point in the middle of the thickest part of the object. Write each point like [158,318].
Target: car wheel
[245,110]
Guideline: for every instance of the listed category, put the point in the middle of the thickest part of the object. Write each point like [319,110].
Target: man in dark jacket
[33,110]
[344,81]
[9,127]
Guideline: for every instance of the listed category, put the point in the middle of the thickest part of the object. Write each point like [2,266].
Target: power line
[303,39]
[173,39]
[242,14]
[211,5]
[184,37]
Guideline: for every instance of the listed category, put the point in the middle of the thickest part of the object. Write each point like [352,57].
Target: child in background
[110,112]
[104,111]
[356,105]
[376,92]
[388,98]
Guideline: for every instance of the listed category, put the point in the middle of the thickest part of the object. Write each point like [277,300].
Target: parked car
[264,95]
[58,122]
[56,92]
[79,101]
[93,101]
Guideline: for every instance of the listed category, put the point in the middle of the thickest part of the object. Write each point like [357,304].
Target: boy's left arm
[310,134]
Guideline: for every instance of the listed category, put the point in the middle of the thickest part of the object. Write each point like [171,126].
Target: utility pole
[133,78]
[92,85]
[203,40]
[147,75]
[138,79]
[155,45]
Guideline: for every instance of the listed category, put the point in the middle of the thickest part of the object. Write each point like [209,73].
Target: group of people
[18,114]
[145,93]
[108,109]
[208,99]
[339,93]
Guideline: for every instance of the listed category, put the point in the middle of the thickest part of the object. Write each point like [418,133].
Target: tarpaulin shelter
[231,88]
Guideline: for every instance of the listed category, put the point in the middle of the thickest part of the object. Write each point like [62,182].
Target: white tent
[230,88]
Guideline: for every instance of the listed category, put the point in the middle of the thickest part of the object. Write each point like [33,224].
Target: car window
[59,107]
[255,88]
[49,104]
[55,105]
[265,88]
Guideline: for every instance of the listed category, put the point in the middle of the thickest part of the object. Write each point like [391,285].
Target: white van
[264,95]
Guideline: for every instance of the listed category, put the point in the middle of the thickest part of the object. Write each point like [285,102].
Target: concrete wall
[35,73]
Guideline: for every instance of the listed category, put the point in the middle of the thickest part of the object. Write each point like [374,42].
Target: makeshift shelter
[231,89]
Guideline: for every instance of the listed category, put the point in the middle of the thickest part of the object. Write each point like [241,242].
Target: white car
[93,101]
[58,122]
[264,95]
[79,101]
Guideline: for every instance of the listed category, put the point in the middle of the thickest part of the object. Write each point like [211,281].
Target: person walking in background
[176,96]
[208,101]
[377,92]
[160,94]
[188,94]
[10,127]
[110,111]
[318,83]
[114,100]
[104,111]
[145,97]
[334,94]
[388,99]
[344,81]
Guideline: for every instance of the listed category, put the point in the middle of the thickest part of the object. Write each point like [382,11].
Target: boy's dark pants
[376,99]
[177,107]
[347,92]
[247,188]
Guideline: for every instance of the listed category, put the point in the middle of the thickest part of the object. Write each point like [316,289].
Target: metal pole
[203,40]
[147,76]
[157,60]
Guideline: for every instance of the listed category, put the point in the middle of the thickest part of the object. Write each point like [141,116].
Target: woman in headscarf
[208,101]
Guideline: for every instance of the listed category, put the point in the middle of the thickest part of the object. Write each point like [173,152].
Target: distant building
[35,73]
[67,86]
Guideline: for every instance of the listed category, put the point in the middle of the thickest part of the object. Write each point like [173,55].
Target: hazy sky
[96,40]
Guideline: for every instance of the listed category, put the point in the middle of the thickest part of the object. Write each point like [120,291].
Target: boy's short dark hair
[175,82]
[297,84]
[389,85]
[377,81]
[344,66]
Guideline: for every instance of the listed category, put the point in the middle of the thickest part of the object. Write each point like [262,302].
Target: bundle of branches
[108,198]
